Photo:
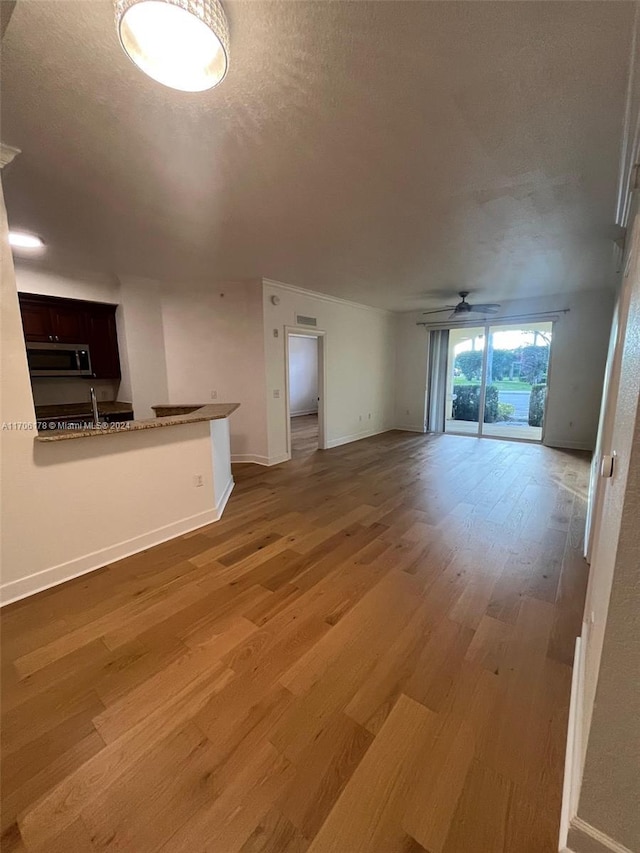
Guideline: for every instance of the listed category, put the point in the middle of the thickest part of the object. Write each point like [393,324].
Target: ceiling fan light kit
[183,44]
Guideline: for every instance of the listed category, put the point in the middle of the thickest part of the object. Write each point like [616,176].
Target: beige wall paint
[72,506]
[610,705]
[412,351]
[142,346]
[214,342]
[578,357]
[359,365]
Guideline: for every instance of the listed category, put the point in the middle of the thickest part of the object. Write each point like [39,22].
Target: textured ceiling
[386,152]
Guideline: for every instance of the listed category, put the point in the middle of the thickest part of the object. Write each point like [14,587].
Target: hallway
[371,652]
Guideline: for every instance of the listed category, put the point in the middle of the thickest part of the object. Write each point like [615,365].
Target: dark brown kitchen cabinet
[103,343]
[74,321]
[69,324]
[36,320]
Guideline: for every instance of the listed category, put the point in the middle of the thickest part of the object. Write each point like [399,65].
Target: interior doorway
[492,379]
[305,391]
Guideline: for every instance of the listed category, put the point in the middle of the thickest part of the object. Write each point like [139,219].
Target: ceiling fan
[463,307]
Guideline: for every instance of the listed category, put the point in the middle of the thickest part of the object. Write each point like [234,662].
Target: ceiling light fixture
[23,240]
[183,44]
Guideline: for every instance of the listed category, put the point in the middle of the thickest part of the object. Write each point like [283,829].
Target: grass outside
[500,384]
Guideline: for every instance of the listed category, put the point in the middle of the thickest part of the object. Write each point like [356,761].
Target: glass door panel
[516,387]
[464,380]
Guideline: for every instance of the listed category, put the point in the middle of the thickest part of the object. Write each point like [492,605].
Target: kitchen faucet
[94,406]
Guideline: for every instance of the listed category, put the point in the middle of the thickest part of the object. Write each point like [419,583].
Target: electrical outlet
[198,480]
[369,415]
[276,393]
[214,395]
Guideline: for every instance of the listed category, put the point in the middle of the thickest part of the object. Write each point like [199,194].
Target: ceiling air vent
[305,321]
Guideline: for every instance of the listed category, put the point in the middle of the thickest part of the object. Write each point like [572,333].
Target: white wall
[578,356]
[608,705]
[71,506]
[412,351]
[214,342]
[360,359]
[303,375]
[142,346]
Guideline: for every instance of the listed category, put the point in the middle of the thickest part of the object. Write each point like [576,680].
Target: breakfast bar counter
[177,416]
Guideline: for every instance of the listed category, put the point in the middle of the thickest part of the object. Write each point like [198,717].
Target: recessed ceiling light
[23,240]
[183,44]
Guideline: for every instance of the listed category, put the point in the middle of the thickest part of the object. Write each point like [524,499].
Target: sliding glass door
[497,380]
[517,369]
[464,387]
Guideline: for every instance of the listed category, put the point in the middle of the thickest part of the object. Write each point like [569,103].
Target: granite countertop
[211,412]
[163,409]
[70,410]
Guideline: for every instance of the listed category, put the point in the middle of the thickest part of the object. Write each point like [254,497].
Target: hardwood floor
[371,651]
[304,435]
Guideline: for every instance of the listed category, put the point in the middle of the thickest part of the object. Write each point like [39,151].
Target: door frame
[321,337]
[606,422]
[483,382]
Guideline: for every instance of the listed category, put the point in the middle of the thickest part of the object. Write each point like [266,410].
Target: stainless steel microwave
[58,359]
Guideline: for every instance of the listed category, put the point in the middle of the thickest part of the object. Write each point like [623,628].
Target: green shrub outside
[505,410]
[536,405]
[466,404]
[470,364]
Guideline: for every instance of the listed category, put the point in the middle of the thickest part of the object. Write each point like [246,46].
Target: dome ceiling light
[24,240]
[183,44]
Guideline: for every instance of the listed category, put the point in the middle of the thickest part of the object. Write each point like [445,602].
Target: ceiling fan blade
[489,306]
[437,311]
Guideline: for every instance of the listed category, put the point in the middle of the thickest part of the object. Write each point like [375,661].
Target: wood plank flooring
[304,435]
[370,653]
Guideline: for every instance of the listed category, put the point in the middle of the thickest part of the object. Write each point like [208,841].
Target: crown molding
[325,297]
[7,154]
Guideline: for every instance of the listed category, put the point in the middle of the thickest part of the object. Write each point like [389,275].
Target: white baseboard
[224,498]
[356,436]
[241,458]
[576,835]
[277,460]
[304,412]
[573,752]
[47,578]
[404,428]
[584,838]
[561,444]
